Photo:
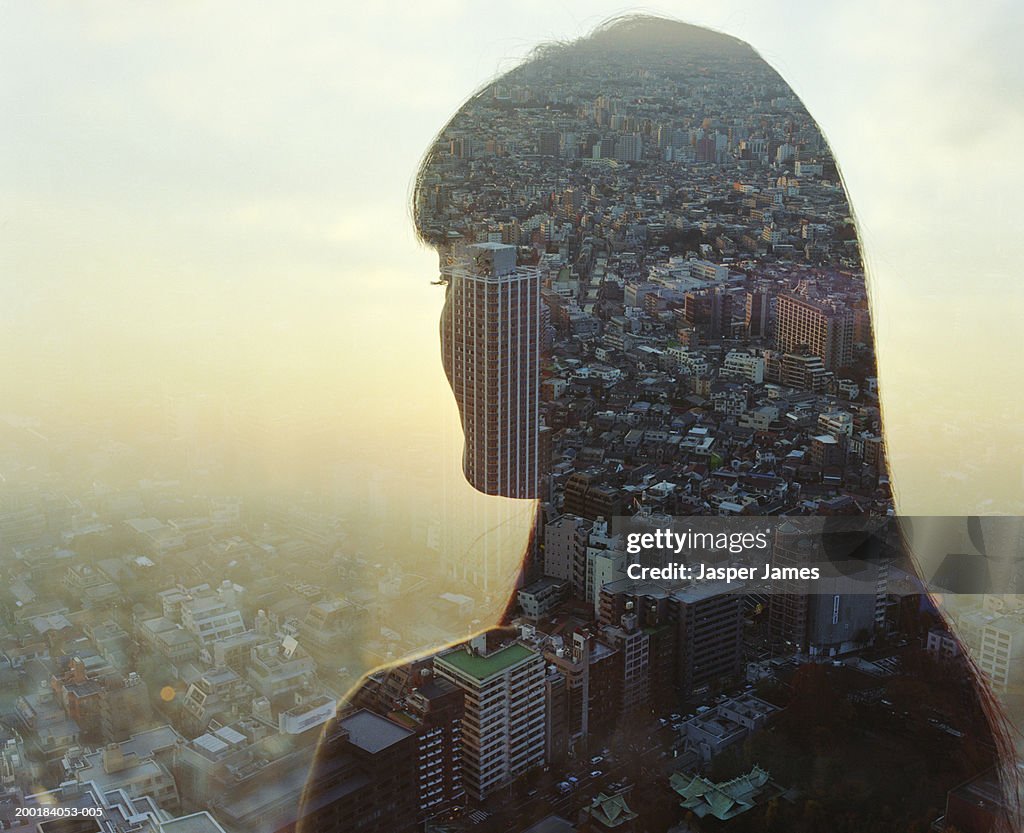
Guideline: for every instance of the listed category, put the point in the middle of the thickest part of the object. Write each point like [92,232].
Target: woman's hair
[456,196]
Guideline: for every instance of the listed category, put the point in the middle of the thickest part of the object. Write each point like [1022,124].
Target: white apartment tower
[503,724]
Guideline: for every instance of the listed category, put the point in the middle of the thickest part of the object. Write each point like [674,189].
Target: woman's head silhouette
[666,192]
[656,305]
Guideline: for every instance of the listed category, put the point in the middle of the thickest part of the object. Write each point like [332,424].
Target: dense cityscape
[655,259]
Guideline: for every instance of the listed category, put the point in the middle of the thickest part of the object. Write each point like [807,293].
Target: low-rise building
[118,768]
[536,599]
[715,730]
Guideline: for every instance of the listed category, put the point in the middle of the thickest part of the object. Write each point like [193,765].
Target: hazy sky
[197,195]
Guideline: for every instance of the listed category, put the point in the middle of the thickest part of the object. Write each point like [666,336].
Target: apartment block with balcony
[503,725]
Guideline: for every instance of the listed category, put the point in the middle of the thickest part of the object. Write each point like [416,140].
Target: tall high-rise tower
[490,338]
[757,313]
[826,330]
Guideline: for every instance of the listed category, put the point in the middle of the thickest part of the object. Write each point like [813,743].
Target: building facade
[825,330]
[490,334]
[503,725]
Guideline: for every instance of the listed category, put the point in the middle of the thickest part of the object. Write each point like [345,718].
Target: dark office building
[365,778]
[756,318]
[585,497]
[709,636]
[709,313]
[822,617]
[433,710]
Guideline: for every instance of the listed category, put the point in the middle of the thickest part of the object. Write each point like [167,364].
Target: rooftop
[552,824]
[193,823]
[371,732]
[706,590]
[482,667]
[150,741]
[723,801]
